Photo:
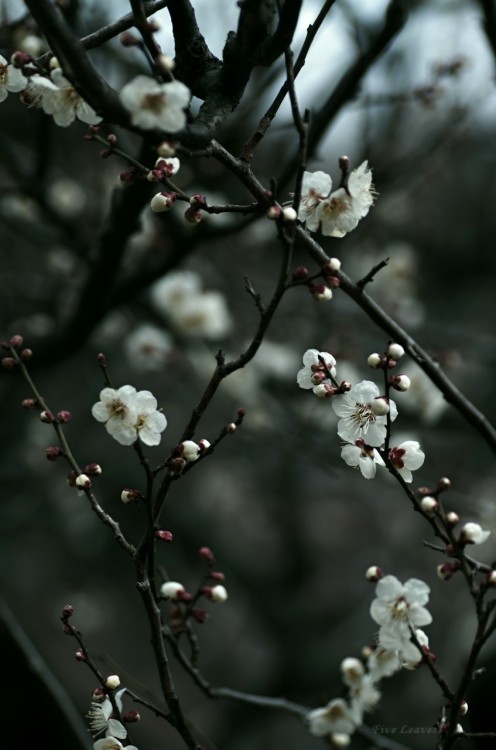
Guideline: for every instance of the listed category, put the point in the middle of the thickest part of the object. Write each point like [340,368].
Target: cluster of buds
[326,390]
[287,214]
[15,342]
[164,167]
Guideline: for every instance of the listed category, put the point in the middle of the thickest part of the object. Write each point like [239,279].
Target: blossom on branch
[317,365]
[58,97]
[407,457]
[358,421]
[399,608]
[129,415]
[11,79]
[363,457]
[156,106]
[315,187]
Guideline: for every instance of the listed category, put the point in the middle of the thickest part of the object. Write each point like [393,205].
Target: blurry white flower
[111,743]
[335,717]
[58,97]
[191,311]
[424,398]
[398,608]
[407,457]
[313,373]
[315,187]
[147,347]
[343,209]
[11,79]
[363,457]
[156,105]
[32,45]
[383,663]
[357,418]
[218,594]
[67,197]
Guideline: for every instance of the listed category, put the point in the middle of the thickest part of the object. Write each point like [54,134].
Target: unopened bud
[320,292]
[99,695]
[113,681]
[300,274]
[166,149]
[26,355]
[171,590]
[129,40]
[130,496]
[16,341]
[101,358]
[333,264]
[217,575]
[344,164]
[93,470]
[374,360]
[274,212]
[131,717]
[165,63]
[395,351]
[165,536]
[203,444]
[67,612]
[53,63]
[29,403]
[47,417]
[463,708]
[80,655]
[324,390]
[198,201]
[452,519]
[53,452]
[218,594]
[83,481]
[400,382]
[429,504]
[379,406]
[339,739]
[127,176]
[374,573]
[231,427]
[444,484]
[446,570]
[193,216]
[200,615]
[206,553]
[472,533]
[64,416]
[491,578]
[8,363]
[19,59]
[189,450]
[289,214]
[162,202]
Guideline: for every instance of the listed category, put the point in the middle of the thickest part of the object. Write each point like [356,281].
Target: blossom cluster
[363,414]
[338,212]
[130,415]
[101,721]
[399,610]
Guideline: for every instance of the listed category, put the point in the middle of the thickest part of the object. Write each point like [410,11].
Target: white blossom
[343,209]
[357,420]
[411,654]
[313,373]
[11,79]
[315,187]
[219,594]
[111,743]
[397,608]
[363,457]
[129,415]
[58,97]
[383,663]
[99,718]
[155,105]
[407,457]
[335,717]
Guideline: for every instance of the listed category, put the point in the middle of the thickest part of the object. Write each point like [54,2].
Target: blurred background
[88,268]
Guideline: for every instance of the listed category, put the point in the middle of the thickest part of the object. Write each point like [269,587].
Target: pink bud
[207,554]
[16,341]
[47,417]
[29,403]
[300,274]
[53,453]
[68,611]
[64,416]
[8,363]
[165,536]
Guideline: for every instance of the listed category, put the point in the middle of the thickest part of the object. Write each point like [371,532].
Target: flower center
[154,102]
[362,416]
[140,422]
[399,609]
[118,409]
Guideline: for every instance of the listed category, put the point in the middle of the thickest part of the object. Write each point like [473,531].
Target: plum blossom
[335,717]
[155,105]
[315,187]
[363,457]
[398,608]
[99,718]
[341,212]
[58,97]
[129,415]
[313,373]
[11,79]
[357,420]
[148,348]
[111,743]
[407,457]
